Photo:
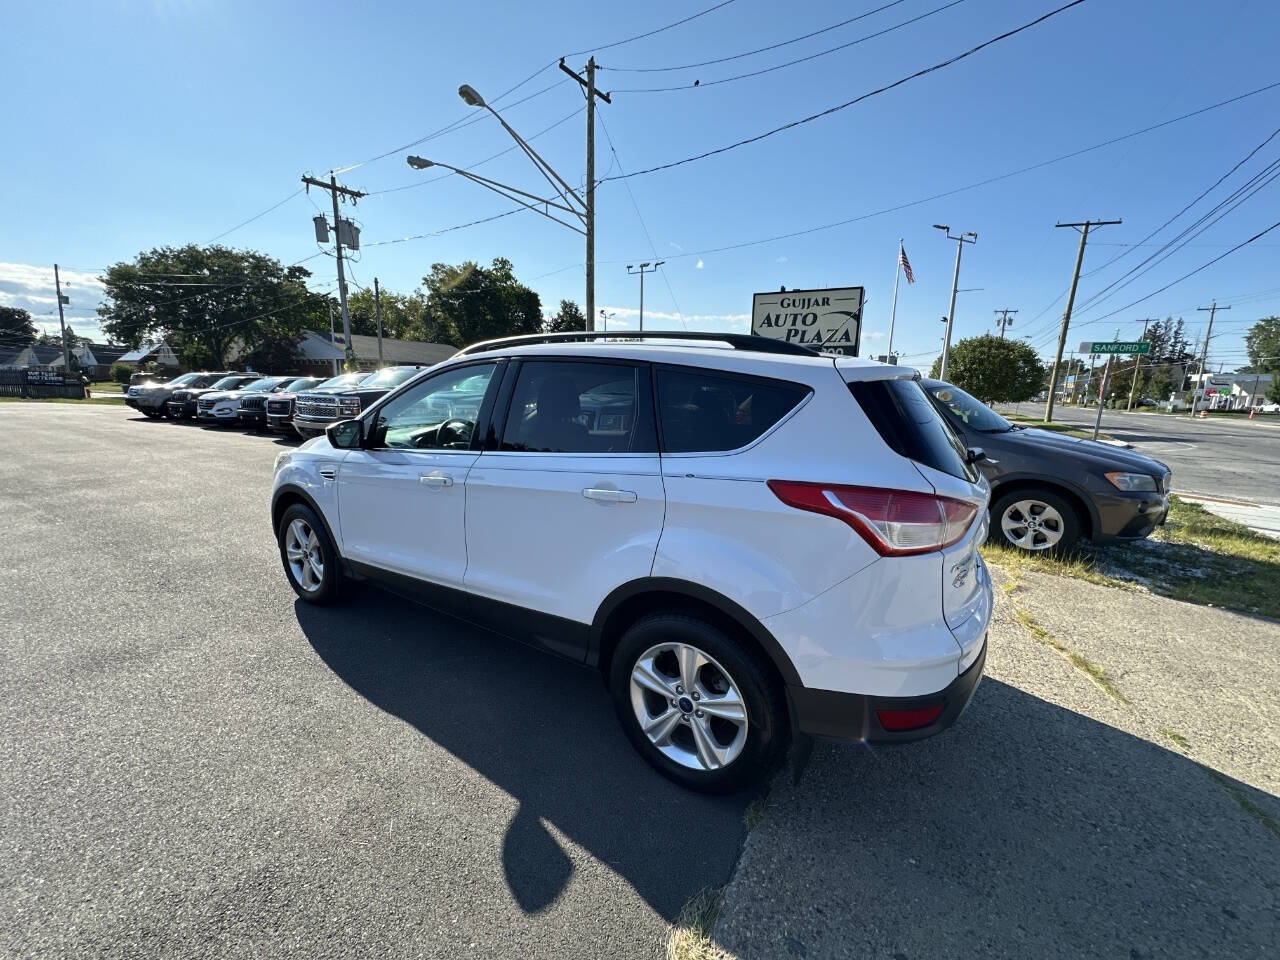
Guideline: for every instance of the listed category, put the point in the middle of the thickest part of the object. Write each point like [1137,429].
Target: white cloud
[874,335]
[782,259]
[627,318]
[31,288]
[698,265]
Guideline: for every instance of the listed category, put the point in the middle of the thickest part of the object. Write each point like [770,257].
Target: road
[1217,457]
[198,765]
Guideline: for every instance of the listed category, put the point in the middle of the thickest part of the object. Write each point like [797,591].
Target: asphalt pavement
[1216,456]
[198,765]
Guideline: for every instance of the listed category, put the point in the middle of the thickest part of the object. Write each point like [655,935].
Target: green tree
[402,314]
[994,370]
[567,320]
[202,300]
[468,303]
[1263,344]
[55,339]
[17,330]
[121,372]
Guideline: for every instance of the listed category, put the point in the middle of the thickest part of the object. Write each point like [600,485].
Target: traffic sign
[1116,346]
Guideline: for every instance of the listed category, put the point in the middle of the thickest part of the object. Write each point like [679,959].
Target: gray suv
[1048,490]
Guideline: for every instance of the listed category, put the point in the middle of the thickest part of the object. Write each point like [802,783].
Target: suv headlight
[1132,482]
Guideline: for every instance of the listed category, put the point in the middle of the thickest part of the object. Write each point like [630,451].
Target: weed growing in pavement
[1095,672]
[690,938]
[1177,739]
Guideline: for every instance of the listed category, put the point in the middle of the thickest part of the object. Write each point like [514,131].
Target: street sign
[1116,346]
[829,320]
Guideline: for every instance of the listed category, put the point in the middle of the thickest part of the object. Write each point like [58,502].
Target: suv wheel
[309,558]
[701,709]
[1037,521]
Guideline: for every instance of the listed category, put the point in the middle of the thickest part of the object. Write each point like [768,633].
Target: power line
[1185,276]
[639,216]
[651,33]
[858,99]
[973,186]
[444,230]
[256,216]
[699,84]
[749,53]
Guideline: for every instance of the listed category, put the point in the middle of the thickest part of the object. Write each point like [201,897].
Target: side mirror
[975,455]
[344,435]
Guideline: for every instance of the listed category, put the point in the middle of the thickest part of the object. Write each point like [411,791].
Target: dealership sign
[828,319]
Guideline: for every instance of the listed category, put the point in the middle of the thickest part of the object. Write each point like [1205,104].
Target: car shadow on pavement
[1028,830]
[543,730]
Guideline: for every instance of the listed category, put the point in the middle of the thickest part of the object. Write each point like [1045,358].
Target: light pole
[961,240]
[566,199]
[642,271]
[605,317]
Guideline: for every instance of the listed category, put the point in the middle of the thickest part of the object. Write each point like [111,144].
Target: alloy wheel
[688,706]
[306,560]
[1032,525]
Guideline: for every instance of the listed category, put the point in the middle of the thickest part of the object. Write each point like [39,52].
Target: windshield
[971,412]
[226,383]
[263,385]
[301,383]
[183,380]
[341,380]
[390,377]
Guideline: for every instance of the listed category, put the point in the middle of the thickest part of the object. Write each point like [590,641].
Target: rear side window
[579,407]
[909,424]
[709,413]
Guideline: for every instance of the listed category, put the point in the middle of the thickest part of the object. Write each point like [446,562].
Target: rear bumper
[853,716]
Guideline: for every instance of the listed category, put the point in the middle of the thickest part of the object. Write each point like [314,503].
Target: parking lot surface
[196,765]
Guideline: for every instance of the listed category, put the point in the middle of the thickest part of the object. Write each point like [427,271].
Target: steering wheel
[454,432]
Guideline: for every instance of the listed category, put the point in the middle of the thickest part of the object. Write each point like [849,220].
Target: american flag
[905,264]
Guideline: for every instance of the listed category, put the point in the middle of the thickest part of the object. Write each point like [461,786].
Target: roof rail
[739,341]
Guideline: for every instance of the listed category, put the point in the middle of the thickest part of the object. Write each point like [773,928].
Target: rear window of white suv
[710,413]
[909,424]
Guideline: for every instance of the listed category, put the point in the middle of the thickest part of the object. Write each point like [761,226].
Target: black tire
[767,731]
[1068,530]
[330,579]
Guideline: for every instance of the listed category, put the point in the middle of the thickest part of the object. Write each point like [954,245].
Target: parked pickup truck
[315,410]
[280,408]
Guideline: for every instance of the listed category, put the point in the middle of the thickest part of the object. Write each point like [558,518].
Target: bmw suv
[747,539]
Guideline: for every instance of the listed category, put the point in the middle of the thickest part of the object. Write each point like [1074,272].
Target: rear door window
[580,407]
[911,426]
[712,412]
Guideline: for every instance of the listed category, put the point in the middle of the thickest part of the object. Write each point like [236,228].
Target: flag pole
[893,313]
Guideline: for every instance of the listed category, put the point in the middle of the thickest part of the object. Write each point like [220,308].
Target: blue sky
[133,125]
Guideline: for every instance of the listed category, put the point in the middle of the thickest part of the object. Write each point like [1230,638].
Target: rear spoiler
[859,368]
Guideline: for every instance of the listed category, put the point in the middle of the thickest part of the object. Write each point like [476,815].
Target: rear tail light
[899,720]
[895,523]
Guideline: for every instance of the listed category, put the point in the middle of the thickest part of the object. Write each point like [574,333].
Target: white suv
[748,540]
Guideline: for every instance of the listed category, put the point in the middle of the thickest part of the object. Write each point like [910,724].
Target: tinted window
[265,384]
[974,414]
[438,414]
[706,413]
[342,380]
[561,407]
[908,423]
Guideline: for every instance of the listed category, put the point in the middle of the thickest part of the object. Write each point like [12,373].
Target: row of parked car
[292,403]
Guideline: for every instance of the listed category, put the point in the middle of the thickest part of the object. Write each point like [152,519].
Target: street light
[565,198]
[642,271]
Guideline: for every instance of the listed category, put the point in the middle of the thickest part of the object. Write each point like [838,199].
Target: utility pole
[1071,302]
[377,312]
[334,190]
[642,271]
[1204,356]
[1137,365]
[62,323]
[589,85]
[1004,320]
[961,240]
